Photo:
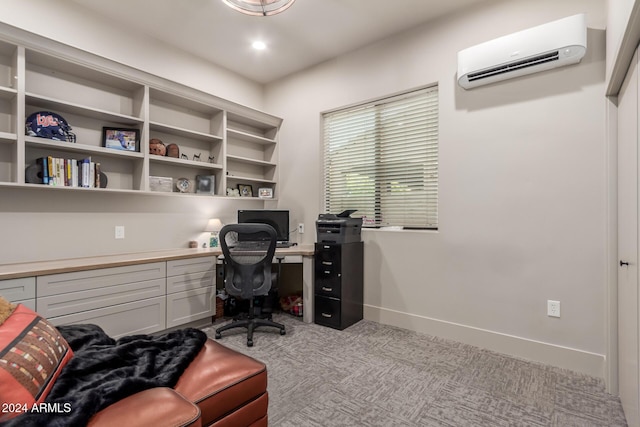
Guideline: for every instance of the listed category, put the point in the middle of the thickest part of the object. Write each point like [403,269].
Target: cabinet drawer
[91,299]
[328,257]
[189,281]
[327,273]
[18,289]
[327,311]
[188,306]
[138,317]
[328,288]
[29,303]
[55,284]
[181,267]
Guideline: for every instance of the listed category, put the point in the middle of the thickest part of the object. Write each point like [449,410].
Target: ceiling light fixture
[258,45]
[259,7]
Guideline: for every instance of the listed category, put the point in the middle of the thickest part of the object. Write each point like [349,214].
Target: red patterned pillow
[32,354]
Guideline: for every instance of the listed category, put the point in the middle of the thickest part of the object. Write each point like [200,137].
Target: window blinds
[382,159]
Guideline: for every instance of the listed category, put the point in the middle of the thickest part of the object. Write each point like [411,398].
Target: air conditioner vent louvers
[530,62]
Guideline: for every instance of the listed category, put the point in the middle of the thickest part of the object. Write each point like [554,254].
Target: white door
[628,378]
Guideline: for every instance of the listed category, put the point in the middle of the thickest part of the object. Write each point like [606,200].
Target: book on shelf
[70,172]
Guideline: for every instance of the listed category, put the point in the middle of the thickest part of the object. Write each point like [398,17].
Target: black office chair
[247,273]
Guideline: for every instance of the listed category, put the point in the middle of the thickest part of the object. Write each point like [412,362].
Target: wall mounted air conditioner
[540,48]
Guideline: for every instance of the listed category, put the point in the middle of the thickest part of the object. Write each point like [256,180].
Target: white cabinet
[121,300]
[20,291]
[190,290]
[137,296]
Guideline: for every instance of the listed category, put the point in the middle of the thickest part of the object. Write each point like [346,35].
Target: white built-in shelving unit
[235,144]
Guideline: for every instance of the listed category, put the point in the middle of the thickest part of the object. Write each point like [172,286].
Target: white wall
[522,187]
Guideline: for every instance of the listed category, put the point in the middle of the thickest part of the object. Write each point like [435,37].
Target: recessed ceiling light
[258,45]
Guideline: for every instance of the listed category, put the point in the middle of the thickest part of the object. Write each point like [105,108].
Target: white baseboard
[563,357]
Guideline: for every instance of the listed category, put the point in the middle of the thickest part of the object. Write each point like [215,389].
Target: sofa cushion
[160,406]
[32,354]
[221,380]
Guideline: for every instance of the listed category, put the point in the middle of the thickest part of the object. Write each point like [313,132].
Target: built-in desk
[163,288]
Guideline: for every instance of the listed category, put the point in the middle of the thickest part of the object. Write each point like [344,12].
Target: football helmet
[45,124]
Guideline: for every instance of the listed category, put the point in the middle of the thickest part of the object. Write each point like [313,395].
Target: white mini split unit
[556,44]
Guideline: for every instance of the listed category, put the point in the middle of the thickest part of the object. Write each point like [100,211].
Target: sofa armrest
[160,406]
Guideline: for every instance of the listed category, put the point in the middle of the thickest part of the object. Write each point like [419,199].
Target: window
[381,158]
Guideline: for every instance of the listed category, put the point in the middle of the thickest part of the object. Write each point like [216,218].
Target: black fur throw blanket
[104,371]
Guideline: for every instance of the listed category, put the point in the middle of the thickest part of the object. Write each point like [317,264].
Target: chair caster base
[249,343]
[283,332]
[218,335]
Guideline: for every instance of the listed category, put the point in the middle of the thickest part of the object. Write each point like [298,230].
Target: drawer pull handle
[327,289]
[326,315]
[327,247]
[327,272]
[327,263]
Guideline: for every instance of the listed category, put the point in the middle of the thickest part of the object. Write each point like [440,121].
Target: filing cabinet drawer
[324,273]
[328,288]
[328,257]
[327,312]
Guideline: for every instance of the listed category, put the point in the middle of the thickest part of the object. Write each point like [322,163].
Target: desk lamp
[213,226]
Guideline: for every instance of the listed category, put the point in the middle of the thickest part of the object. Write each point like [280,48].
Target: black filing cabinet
[338,284]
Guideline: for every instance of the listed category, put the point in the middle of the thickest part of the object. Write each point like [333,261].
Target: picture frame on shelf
[265,193]
[124,139]
[245,190]
[206,184]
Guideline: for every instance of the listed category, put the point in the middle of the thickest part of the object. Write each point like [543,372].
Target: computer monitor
[278,219]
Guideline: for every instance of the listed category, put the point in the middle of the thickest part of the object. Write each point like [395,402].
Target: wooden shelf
[81,110]
[174,130]
[249,137]
[7,93]
[7,137]
[183,162]
[69,147]
[250,161]
[247,179]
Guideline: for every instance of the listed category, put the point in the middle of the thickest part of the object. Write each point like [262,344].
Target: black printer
[338,228]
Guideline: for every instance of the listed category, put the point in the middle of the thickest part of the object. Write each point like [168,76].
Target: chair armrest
[160,406]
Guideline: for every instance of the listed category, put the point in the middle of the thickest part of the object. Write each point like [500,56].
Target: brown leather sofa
[220,387]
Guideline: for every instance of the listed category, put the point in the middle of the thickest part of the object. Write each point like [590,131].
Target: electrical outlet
[301,228]
[119,231]
[553,308]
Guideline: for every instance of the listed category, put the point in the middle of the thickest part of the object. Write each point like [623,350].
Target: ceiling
[308,33]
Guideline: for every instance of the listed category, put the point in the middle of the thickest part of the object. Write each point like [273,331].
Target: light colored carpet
[378,375]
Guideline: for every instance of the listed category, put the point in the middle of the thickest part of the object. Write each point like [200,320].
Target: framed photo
[265,193]
[245,190]
[121,139]
[206,184]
